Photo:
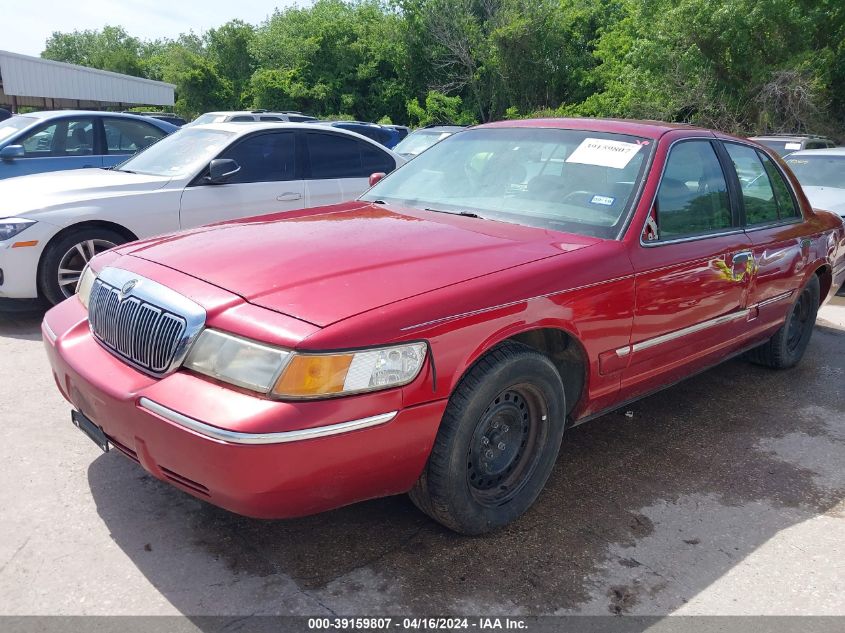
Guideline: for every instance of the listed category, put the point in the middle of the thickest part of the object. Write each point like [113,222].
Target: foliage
[438,108]
[739,65]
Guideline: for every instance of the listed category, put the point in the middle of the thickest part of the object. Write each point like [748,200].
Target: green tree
[228,49]
[110,49]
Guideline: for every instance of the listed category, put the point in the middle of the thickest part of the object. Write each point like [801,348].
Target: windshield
[418,142]
[183,153]
[818,170]
[566,180]
[208,117]
[781,147]
[14,124]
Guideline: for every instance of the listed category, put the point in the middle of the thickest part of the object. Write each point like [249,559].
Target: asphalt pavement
[722,495]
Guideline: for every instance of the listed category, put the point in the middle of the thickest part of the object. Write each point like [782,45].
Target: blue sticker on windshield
[603,200]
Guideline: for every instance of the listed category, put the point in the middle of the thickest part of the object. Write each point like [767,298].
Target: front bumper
[20,263]
[250,455]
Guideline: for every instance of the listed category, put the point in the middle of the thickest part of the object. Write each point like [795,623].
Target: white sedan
[821,173]
[52,224]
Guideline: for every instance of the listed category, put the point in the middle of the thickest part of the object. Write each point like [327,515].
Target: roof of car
[651,129]
[788,137]
[46,114]
[248,127]
[828,151]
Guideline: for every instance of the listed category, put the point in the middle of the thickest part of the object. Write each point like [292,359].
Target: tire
[786,348]
[70,253]
[497,443]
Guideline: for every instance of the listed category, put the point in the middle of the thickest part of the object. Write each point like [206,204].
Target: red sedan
[438,335]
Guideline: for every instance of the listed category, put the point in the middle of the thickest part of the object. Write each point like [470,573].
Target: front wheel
[64,260]
[497,443]
[786,348]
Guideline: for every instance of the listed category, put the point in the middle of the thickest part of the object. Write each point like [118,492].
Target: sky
[25,25]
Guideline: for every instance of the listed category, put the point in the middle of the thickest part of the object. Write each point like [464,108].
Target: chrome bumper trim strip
[236,437]
[49,331]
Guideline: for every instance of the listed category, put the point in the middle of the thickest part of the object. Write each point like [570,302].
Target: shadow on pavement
[21,324]
[641,514]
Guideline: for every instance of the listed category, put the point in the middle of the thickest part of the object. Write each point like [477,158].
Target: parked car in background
[420,140]
[402,130]
[245,116]
[784,144]
[69,139]
[439,334]
[169,117]
[4,114]
[379,133]
[821,173]
[51,225]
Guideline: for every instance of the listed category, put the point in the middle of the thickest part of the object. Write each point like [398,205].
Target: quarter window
[125,136]
[264,158]
[336,156]
[693,195]
[68,137]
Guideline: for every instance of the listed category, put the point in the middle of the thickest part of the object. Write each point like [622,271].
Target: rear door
[692,271]
[774,225]
[338,166]
[268,182]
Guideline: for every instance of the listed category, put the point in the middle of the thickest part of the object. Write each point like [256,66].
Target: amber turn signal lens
[313,375]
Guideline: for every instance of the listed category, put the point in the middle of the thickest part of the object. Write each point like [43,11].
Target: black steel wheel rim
[799,320]
[507,444]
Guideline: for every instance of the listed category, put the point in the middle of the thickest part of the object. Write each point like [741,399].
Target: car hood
[30,195]
[328,264]
[827,198]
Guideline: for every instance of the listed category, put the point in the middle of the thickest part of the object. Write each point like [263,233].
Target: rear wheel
[497,443]
[64,260]
[786,348]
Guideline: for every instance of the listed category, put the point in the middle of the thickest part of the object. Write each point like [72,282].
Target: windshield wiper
[466,214]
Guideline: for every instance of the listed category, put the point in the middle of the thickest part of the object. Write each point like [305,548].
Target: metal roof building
[43,83]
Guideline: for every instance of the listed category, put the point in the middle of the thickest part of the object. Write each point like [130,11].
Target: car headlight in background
[9,227]
[285,374]
[85,285]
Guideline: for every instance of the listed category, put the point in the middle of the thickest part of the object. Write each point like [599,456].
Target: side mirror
[11,152]
[374,178]
[221,169]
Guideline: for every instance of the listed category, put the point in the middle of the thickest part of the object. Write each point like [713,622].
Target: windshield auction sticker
[604,153]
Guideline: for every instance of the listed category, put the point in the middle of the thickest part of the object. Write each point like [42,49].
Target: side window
[334,156]
[693,195]
[374,160]
[757,194]
[264,158]
[787,208]
[241,118]
[269,118]
[125,136]
[68,137]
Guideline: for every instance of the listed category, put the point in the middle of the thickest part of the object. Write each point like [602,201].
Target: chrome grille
[143,328]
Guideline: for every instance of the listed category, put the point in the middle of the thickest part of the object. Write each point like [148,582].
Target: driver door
[268,182]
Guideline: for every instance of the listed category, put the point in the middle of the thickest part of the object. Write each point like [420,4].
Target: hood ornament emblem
[127,288]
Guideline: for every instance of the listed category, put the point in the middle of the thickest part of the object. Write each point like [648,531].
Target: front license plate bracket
[90,429]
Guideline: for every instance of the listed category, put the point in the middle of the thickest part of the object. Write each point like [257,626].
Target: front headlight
[85,284]
[9,227]
[285,374]
[236,360]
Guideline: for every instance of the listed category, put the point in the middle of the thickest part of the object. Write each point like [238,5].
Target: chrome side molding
[236,437]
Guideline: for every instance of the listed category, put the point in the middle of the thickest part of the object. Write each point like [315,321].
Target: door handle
[289,196]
